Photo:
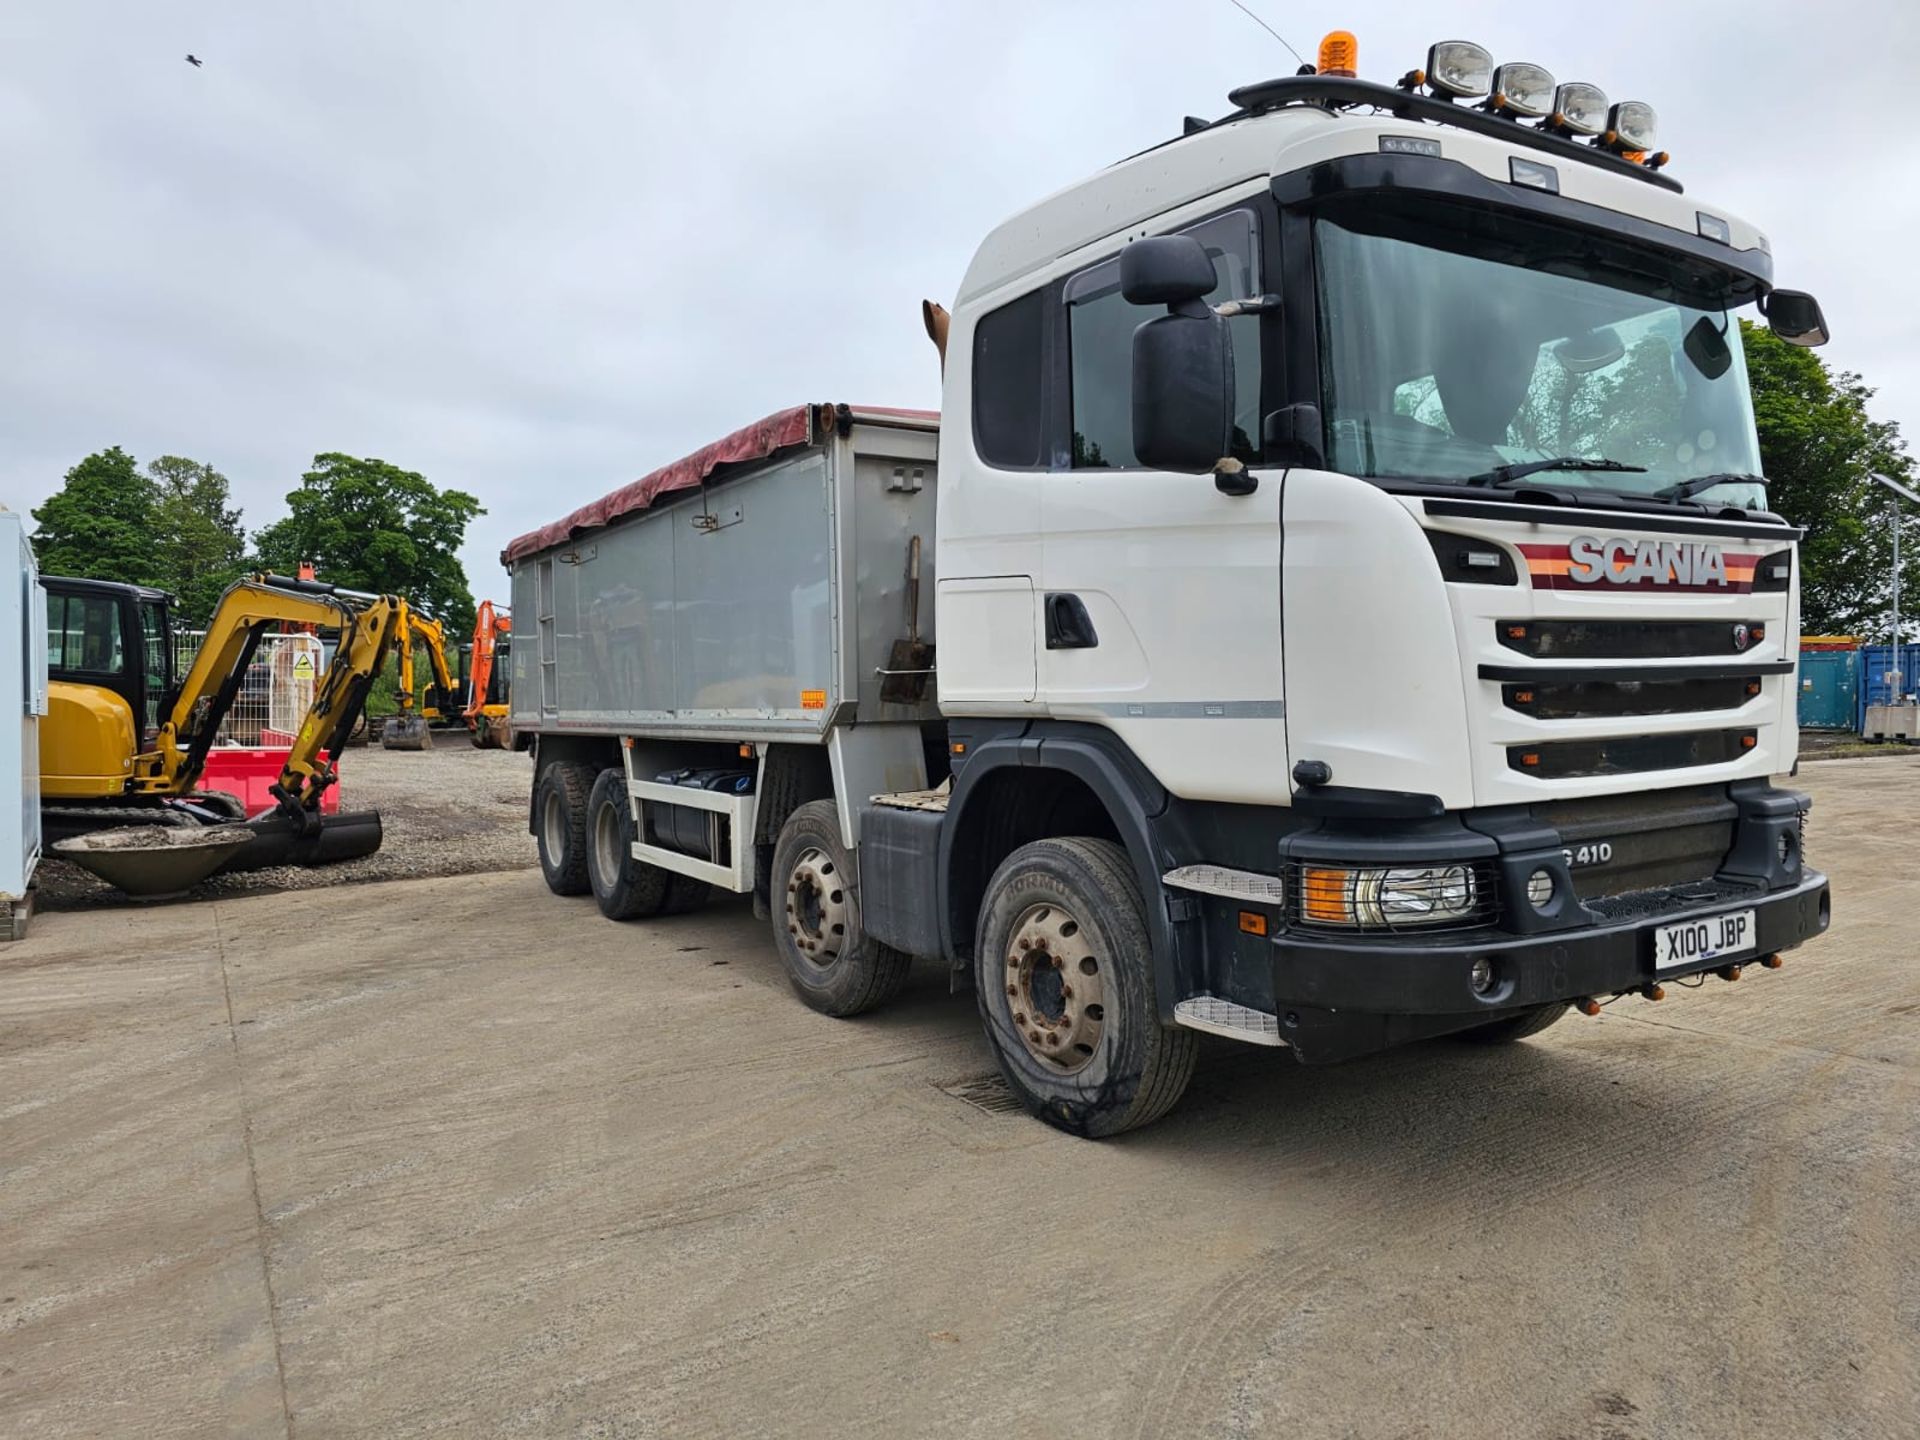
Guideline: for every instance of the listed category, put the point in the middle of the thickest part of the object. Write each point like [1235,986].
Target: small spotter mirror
[1706,346]
[1795,317]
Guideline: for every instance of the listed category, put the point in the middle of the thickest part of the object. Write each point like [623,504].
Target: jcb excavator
[486,710]
[408,730]
[125,743]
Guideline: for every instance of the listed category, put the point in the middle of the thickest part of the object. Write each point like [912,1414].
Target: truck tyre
[624,888]
[560,825]
[1064,973]
[1514,1027]
[835,966]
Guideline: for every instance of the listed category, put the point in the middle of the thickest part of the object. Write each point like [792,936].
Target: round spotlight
[1579,108]
[1480,976]
[1540,889]
[1520,88]
[1459,68]
[1632,125]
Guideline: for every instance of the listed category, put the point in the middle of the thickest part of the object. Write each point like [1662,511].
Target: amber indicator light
[1323,895]
[1252,922]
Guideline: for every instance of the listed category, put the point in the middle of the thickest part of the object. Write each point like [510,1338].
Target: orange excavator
[486,712]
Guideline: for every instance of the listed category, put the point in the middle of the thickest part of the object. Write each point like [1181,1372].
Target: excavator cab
[111,677]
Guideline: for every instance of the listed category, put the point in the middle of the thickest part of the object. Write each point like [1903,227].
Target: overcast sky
[535,249]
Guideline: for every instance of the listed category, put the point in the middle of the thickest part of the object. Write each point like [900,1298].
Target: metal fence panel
[274,693]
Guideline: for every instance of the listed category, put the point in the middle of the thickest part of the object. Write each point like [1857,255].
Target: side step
[1230,884]
[1224,1017]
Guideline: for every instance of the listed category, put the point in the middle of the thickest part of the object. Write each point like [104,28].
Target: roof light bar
[1578,109]
[1521,88]
[1631,125]
[1459,68]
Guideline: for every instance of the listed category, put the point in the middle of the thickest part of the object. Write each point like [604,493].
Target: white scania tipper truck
[1334,606]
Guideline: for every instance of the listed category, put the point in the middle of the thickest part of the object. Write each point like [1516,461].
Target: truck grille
[1628,639]
[1628,754]
[1574,700]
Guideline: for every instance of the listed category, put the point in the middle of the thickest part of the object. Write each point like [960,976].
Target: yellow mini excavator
[125,742]
[408,729]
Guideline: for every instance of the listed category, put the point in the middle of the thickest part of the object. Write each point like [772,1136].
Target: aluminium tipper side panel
[760,607]
[710,615]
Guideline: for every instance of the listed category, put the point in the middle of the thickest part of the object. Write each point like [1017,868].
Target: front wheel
[1064,972]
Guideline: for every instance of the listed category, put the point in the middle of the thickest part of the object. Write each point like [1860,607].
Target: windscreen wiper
[1507,474]
[1698,483]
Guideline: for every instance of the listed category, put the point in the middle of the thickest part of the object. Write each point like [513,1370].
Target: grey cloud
[532,251]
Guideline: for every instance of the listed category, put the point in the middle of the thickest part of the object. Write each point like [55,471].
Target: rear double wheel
[560,826]
[625,888]
[1064,973]
[833,964]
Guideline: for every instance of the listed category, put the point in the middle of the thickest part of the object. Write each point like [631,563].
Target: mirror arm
[1232,477]
[1252,305]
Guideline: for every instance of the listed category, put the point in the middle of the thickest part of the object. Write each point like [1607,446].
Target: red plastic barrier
[250,771]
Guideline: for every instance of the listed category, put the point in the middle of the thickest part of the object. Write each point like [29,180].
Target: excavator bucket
[156,862]
[407,731]
[490,732]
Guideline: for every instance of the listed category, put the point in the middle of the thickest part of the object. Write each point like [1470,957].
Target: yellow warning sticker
[303,666]
[813,699]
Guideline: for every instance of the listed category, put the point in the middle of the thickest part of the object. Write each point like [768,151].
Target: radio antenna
[1268,28]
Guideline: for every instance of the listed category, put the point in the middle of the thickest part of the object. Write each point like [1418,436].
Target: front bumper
[1338,997]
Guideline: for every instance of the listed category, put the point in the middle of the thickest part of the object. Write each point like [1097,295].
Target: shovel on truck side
[904,681]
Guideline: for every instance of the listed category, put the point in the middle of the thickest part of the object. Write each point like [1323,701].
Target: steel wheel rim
[553,824]
[606,843]
[817,907]
[1055,988]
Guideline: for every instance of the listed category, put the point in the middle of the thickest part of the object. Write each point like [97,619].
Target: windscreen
[1443,360]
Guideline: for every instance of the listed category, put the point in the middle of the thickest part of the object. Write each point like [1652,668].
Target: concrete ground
[455,1157]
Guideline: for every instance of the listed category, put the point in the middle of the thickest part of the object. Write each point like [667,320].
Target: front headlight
[1387,899]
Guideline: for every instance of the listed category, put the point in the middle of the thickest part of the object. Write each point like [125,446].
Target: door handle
[1069,627]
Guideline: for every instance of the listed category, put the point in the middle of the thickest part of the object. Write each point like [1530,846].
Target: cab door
[1159,595]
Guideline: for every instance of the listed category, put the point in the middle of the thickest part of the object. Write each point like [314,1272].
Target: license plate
[1713,937]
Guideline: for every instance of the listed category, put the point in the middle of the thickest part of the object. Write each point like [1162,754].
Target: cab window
[83,633]
[1100,325]
[153,649]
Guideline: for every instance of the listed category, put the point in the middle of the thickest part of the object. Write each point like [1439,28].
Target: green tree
[369,525]
[200,548]
[1817,447]
[99,524]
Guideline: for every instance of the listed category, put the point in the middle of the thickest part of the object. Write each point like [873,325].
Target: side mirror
[1165,270]
[1182,361]
[1795,317]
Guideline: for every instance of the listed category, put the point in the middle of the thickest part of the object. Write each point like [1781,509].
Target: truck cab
[1388,547]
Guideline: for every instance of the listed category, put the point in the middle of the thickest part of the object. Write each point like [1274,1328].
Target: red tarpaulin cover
[757,441]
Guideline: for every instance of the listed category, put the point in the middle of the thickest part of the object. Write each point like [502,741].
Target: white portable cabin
[23,700]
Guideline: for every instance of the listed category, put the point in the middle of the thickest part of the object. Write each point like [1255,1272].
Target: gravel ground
[451,810]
